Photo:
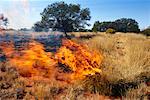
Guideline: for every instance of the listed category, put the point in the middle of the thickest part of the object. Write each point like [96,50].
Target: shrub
[97,84]
[146,32]
[94,29]
[111,31]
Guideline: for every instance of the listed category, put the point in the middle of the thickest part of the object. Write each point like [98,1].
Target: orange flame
[33,62]
[8,48]
[77,57]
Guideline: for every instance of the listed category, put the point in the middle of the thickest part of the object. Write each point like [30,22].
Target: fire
[33,62]
[9,50]
[79,59]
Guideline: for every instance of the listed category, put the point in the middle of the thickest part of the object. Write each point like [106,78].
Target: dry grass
[125,70]
[125,55]
[126,61]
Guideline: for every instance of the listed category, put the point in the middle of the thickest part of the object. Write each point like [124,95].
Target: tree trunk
[66,35]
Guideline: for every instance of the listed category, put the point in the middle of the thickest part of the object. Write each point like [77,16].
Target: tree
[120,25]
[146,31]
[3,21]
[103,26]
[96,26]
[65,17]
[127,25]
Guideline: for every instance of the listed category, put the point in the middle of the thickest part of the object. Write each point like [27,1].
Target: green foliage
[146,32]
[63,17]
[111,31]
[127,25]
[95,27]
[120,25]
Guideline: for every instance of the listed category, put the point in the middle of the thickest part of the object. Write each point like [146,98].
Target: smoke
[18,13]
[26,6]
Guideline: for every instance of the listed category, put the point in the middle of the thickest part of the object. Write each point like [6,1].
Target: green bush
[146,32]
[111,31]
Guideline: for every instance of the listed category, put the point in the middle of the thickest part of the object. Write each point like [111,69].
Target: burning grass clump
[79,59]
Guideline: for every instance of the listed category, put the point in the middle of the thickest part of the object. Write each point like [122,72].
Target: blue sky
[24,13]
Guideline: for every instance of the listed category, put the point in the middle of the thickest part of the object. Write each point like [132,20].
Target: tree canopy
[63,17]
[120,25]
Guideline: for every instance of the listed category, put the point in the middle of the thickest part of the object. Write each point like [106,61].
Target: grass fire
[32,61]
[96,67]
[52,51]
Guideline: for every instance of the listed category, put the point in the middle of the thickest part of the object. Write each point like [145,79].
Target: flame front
[79,59]
[32,61]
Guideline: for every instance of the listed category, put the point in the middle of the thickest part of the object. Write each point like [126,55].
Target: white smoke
[18,14]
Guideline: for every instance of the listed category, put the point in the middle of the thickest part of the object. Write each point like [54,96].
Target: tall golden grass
[126,60]
[126,55]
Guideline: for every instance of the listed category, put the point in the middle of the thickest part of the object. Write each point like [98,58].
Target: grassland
[125,72]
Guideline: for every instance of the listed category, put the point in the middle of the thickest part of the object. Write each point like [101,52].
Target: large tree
[120,25]
[64,17]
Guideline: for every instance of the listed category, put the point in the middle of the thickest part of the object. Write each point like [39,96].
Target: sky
[24,13]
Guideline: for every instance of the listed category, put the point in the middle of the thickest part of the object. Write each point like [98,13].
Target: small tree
[3,21]
[146,31]
[96,26]
[65,17]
